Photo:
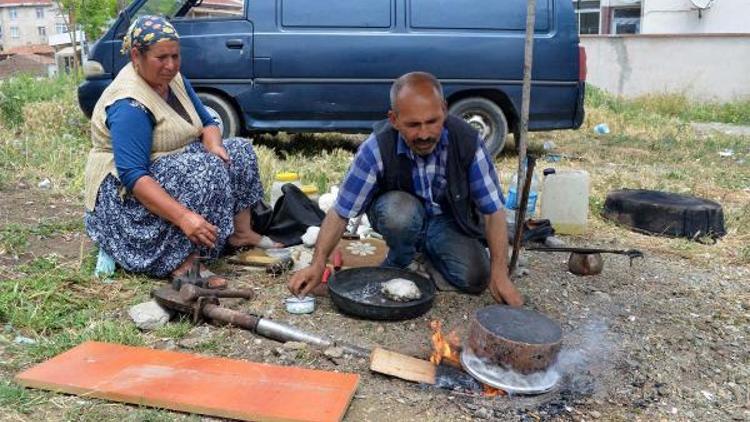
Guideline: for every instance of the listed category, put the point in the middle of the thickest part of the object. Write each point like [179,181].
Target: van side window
[208,9]
[499,15]
[215,9]
[336,14]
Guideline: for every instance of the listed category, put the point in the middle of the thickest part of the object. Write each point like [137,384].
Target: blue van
[302,65]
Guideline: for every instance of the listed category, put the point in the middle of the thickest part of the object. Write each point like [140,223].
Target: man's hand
[211,138]
[198,230]
[304,280]
[503,290]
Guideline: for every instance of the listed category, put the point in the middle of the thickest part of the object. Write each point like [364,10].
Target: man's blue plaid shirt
[428,176]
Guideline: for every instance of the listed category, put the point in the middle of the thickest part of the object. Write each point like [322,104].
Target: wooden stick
[521,214]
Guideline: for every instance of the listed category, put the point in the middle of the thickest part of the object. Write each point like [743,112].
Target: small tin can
[295,305]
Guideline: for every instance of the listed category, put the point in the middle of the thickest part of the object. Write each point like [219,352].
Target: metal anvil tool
[203,304]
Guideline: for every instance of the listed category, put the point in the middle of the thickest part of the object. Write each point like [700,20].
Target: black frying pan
[356,292]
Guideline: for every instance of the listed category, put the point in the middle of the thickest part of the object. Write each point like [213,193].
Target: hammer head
[190,292]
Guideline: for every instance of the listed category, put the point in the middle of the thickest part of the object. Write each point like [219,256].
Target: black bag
[289,219]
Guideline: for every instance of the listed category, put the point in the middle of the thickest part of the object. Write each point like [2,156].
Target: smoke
[586,344]
[587,350]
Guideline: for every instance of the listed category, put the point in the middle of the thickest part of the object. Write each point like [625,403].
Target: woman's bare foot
[214,281]
[240,239]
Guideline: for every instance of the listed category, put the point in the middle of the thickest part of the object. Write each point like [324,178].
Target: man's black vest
[462,148]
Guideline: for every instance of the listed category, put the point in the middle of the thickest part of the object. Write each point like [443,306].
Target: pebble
[334,352]
[295,345]
[24,340]
[594,414]
[148,315]
[483,413]
[190,343]
[44,184]
[602,296]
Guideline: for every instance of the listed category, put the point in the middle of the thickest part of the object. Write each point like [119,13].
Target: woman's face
[159,64]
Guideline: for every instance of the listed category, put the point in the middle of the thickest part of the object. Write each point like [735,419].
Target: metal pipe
[283,333]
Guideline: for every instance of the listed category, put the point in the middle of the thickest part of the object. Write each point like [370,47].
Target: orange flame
[492,391]
[445,347]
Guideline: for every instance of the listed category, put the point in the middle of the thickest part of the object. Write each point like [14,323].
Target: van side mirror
[126,21]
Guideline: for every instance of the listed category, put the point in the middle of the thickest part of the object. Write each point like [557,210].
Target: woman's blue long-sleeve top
[131,126]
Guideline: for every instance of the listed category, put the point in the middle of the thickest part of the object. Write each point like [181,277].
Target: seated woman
[162,188]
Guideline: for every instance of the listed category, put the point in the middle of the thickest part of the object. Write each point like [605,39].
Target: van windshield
[166,8]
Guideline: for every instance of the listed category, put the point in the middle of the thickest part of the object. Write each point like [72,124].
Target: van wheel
[221,110]
[486,117]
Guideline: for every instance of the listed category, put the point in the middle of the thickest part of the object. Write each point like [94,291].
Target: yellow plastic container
[280,180]
[311,191]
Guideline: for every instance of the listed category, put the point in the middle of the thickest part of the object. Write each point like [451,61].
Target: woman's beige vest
[171,132]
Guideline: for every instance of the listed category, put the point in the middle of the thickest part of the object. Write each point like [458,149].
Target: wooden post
[528,58]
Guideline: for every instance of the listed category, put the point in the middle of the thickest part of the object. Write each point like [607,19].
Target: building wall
[703,67]
[681,17]
[28,23]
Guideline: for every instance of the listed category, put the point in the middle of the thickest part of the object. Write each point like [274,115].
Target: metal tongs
[630,253]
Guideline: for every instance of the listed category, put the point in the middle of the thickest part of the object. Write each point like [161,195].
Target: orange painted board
[196,384]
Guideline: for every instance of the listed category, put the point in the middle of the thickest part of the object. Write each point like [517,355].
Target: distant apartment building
[28,22]
[611,17]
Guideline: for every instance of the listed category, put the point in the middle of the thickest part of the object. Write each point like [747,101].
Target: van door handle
[235,43]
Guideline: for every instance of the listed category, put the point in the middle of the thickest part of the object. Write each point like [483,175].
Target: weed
[18,398]
[14,237]
[108,331]
[670,105]
[174,330]
[23,89]
[743,255]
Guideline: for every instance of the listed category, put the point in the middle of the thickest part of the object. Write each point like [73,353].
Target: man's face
[419,117]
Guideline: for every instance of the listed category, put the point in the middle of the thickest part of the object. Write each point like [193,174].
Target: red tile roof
[6,3]
[42,49]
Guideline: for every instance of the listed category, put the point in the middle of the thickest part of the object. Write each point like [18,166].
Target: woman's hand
[211,138]
[198,230]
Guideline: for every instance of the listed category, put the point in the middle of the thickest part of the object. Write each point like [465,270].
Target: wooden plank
[255,257]
[402,366]
[196,384]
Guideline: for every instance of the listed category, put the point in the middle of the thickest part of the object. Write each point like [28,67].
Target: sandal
[203,278]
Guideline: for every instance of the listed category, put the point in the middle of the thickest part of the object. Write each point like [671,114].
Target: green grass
[671,106]
[174,330]
[59,307]
[14,237]
[23,89]
[18,398]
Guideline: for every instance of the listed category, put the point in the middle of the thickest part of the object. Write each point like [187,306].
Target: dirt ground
[661,340]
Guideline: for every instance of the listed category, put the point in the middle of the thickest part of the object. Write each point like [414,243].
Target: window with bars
[40,13]
[588,16]
[626,21]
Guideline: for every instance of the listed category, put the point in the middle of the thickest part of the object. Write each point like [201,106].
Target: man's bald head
[416,81]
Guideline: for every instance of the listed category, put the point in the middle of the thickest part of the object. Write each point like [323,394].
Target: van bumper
[89,92]
[580,112]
